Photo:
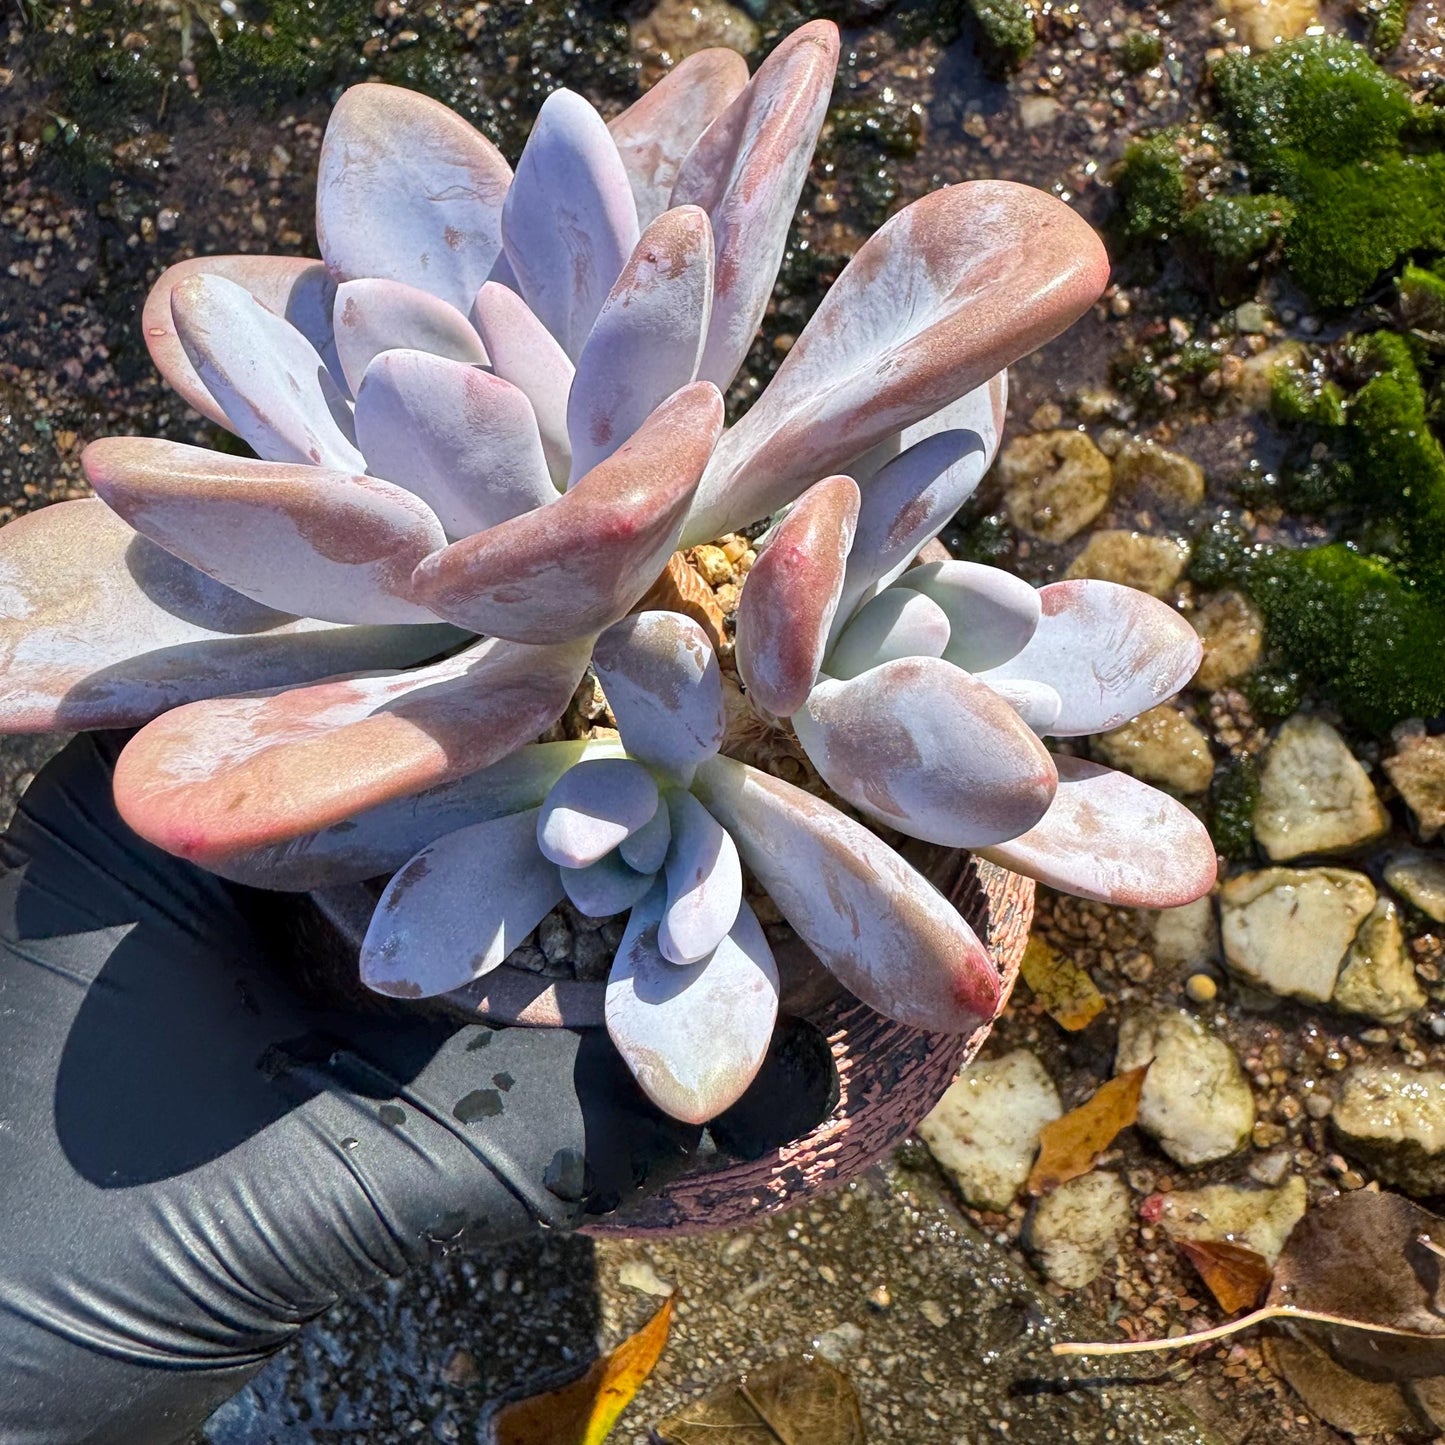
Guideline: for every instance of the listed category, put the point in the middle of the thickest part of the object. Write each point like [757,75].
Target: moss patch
[1007,31]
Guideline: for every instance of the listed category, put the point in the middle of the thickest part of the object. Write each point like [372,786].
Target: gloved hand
[195,1160]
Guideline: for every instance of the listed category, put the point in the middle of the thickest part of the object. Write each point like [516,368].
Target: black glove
[195,1160]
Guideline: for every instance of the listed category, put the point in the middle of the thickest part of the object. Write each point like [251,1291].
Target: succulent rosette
[482,424]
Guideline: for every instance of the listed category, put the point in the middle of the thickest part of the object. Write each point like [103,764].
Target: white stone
[1164,746]
[985,1129]
[1392,1118]
[1258,1219]
[1196,1100]
[1187,936]
[1419,878]
[1077,1229]
[1287,930]
[1378,979]
[1314,797]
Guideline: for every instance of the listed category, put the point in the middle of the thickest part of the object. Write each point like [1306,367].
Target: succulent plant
[483,423]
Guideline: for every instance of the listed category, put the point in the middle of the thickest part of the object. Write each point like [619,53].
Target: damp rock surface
[1391,1118]
[1164,746]
[1078,1227]
[1132,559]
[1055,483]
[1378,978]
[1259,1219]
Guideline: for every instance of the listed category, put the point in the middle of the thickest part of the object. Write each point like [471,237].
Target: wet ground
[122,150]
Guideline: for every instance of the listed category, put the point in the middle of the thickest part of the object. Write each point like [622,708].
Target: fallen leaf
[793,1402]
[1071,1145]
[1064,989]
[1237,1277]
[584,1411]
[1336,1395]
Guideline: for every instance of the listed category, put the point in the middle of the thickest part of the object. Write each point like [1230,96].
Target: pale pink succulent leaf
[379,840]
[663,684]
[1035,702]
[991,613]
[265,375]
[592,808]
[923,747]
[294,287]
[578,565]
[694,1037]
[786,610]
[372,316]
[896,623]
[604,888]
[228,777]
[463,440]
[1110,652]
[654,134]
[884,931]
[569,223]
[526,354]
[647,338]
[947,293]
[704,882]
[1116,840]
[646,849]
[101,628]
[456,910]
[747,171]
[303,540]
[407,191]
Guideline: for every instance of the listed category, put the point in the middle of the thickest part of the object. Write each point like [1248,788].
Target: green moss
[1422,299]
[1235,230]
[1232,799]
[1153,188]
[1300,397]
[1387,26]
[890,130]
[1140,50]
[1007,31]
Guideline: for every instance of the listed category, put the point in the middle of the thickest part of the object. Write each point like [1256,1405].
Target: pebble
[1417,770]
[1187,935]
[640,1275]
[1287,930]
[1132,559]
[1055,483]
[1259,1219]
[1314,797]
[675,29]
[1391,1118]
[839,1344]
[1378,979]
[1232,631]
[1170,478]
[985,1129]
[713,564]
[1076,1230]
[1261,24]
[933,1312]
[1419,878]
[1196,1101]
[1201,988]
[1163,746]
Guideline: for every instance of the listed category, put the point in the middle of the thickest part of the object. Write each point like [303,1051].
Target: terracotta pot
[890,1076]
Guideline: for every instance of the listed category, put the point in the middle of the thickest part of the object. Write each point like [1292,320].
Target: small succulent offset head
[482,424]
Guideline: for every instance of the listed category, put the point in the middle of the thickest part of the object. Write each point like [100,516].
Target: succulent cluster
[482,425]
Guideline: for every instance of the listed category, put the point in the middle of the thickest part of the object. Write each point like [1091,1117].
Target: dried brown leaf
[584,1411]
[1237,1277]
[1336,1395]
[1065,990]
[793,1402]
[681,589]
[1070,1146]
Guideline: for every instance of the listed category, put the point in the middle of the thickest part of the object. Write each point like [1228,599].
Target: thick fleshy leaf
[787,607]
[1110,652]
[604,888]
[647,339]
[373,316]
[265,375]
[380,839]
[233,775]
[747,172]
[570,222]
[664,686]
[580,564]
[694,1037]
[646,849]
[1035,702]
[407,191]
[100,628]
[294,287]
[896,623]
[991,613]
[525,353]
[303,540]
[704,882]
[654,134]
[463,440]
[948,292]
[872,919]
[1111,838]
[929,750]
[456,910]
[592,808]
